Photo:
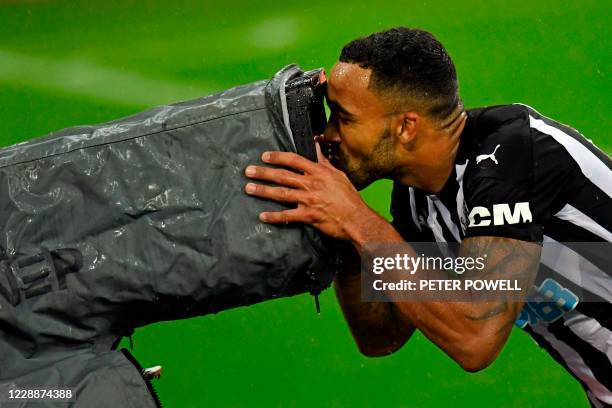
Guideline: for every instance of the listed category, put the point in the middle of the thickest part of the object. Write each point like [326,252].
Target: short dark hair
[410,62]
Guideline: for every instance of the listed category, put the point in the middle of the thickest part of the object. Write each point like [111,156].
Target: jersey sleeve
[499,208]
[499,185]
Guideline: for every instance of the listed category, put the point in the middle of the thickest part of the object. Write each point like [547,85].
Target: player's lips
[333,155]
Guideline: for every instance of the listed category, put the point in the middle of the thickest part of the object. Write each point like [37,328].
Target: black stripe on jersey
[605,159]
[564,231]
[402,216]
[561,181]
[596,252]
[589,305]
[568,235]
[543,343]
[602,312]
[420,202]
[594,203]
[448,235]
[448,197]
[597,361]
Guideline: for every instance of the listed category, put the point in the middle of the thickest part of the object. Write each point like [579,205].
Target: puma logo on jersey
[502,214]
[488,156]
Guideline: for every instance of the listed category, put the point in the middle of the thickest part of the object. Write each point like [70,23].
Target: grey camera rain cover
[110,227]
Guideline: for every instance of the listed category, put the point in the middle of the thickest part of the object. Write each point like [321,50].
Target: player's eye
[344,120]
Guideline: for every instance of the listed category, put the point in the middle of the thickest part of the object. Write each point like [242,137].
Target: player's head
[386,90]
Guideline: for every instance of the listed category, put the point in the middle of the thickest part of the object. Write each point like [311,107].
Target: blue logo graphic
[550,302]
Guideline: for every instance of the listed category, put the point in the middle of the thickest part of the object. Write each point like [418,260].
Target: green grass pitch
[63,64]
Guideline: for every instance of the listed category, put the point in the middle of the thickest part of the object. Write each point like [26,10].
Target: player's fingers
[282,194]
[277,176]
[284,217]
[289,159]
[320,156]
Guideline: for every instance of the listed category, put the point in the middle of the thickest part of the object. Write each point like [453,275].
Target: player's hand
[325,197]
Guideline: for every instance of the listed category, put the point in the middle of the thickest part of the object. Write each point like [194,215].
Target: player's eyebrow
[333,105]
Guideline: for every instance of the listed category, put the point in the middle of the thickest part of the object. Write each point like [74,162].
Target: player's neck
[432,168]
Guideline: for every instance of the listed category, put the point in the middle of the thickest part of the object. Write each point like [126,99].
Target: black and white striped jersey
[521,175]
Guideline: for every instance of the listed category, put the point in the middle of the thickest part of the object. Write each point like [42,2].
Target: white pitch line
[87,79]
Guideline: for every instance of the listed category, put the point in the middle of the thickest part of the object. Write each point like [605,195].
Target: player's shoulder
[489,126]
[497,143]
[491,118]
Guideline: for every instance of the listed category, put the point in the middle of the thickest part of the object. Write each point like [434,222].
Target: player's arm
[377,327]
[472,333]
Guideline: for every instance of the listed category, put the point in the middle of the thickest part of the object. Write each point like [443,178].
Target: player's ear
[406,127]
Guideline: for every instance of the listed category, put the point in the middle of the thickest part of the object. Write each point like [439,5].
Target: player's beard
[378,164]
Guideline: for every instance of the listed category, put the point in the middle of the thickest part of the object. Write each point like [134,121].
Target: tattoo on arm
[507,259]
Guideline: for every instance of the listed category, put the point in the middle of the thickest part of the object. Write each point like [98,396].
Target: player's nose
[331,133]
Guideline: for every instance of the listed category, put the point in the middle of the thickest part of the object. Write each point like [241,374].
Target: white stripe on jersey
[432,222]
[576,268]
[576,364]
[593,168]
[447,218]
[577,217]
[596,403]
[413,209]
[589,330]
[460,170]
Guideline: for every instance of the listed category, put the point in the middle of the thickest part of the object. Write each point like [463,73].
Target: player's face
[359,126]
